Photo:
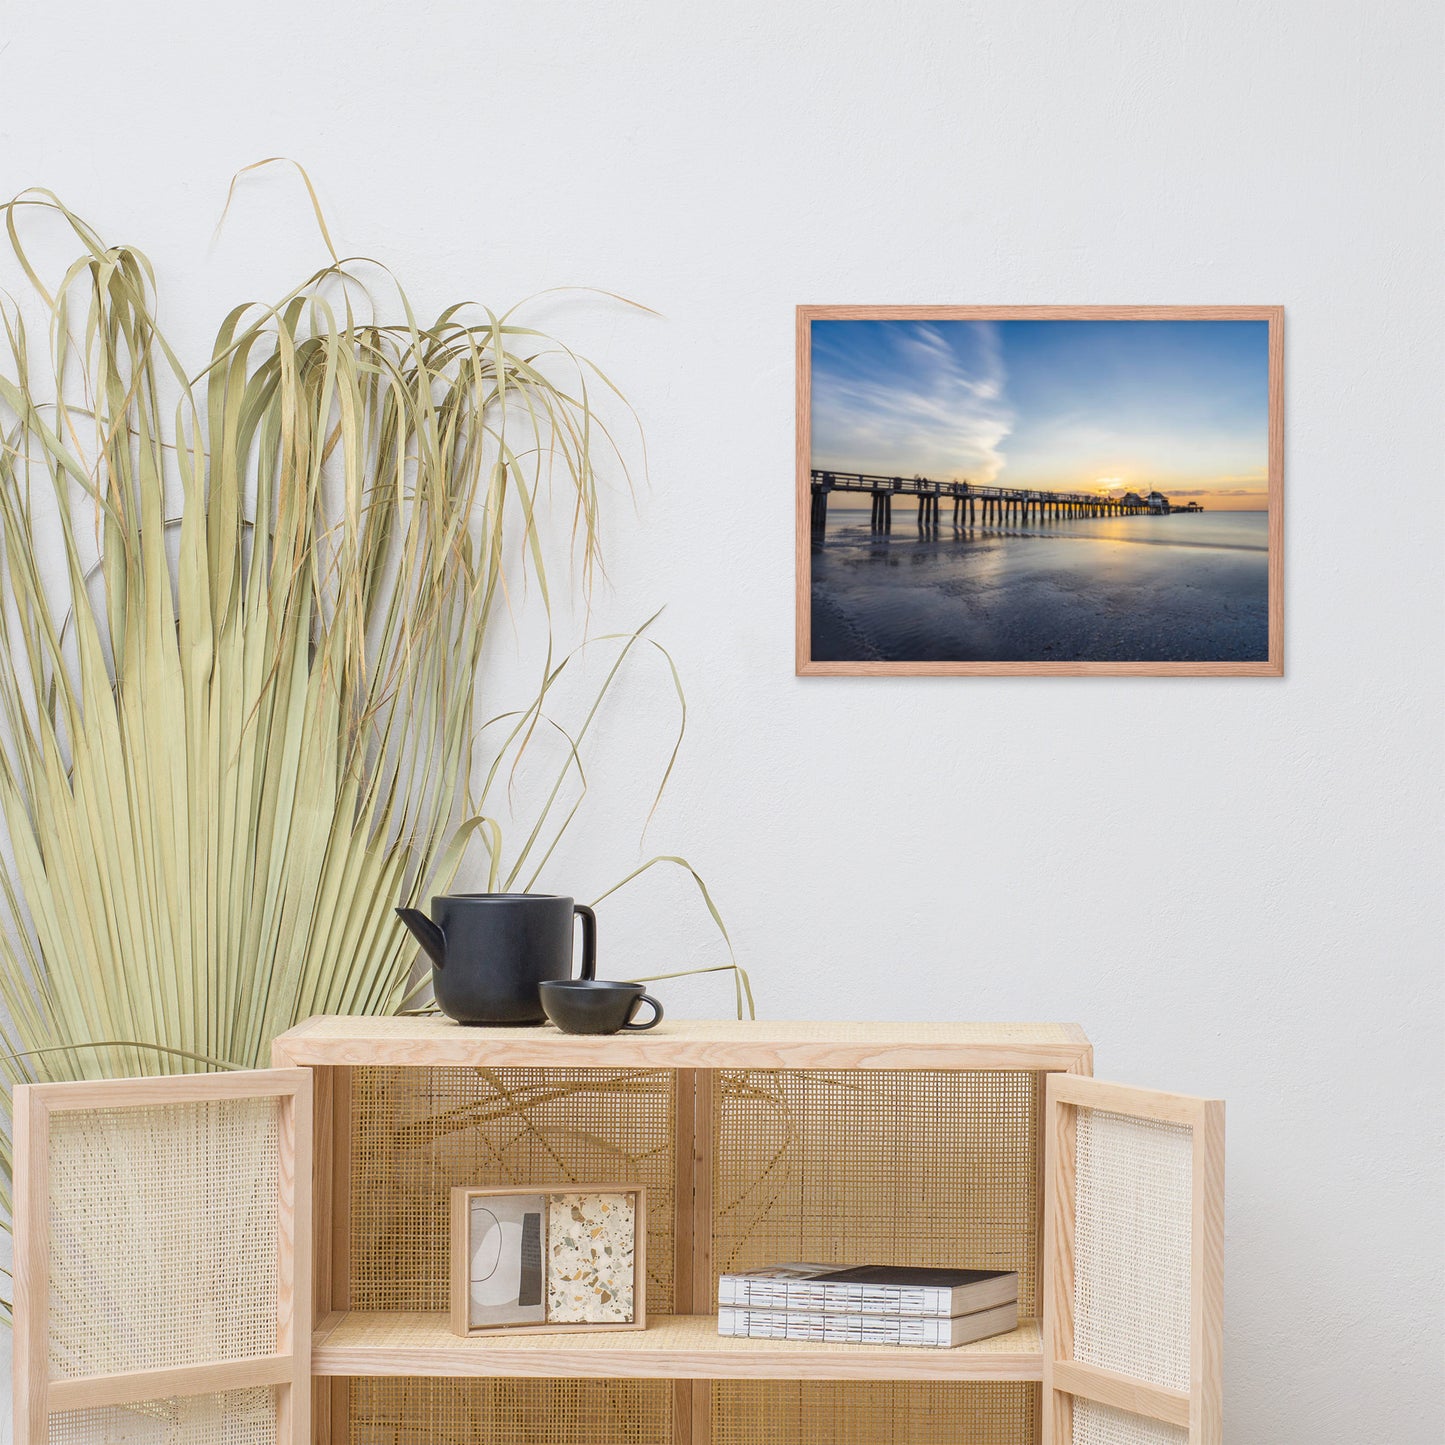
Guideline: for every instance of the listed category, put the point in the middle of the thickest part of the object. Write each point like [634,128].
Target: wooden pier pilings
[820,507]
[973,505]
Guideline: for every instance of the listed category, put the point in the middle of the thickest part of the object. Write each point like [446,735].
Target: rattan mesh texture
[418,1132]
[1096,1424]
[236,1417]
[401,1411]
[777,1412]
[933,1167]
[1132,1245]
[163,1243]
[881,1167]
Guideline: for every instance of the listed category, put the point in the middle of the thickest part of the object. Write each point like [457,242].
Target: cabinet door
[162,1260]
[1133,1265]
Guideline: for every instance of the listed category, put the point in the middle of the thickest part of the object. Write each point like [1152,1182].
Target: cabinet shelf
[672,1347]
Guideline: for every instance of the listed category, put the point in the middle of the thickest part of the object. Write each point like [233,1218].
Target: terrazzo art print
[591,1259]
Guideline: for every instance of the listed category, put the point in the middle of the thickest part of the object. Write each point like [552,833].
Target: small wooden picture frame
[560,1259]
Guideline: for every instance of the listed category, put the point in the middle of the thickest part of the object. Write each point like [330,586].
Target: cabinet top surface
[701,1044]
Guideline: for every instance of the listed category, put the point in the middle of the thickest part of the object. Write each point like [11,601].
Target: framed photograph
[995,490]
[561,1260]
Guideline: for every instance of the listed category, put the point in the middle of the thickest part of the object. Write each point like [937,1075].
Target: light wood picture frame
[970,480]
[553,1199]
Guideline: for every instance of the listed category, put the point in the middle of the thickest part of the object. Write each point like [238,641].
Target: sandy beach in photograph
[1187,587]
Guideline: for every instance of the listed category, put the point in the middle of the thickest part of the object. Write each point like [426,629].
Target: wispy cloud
[909,399]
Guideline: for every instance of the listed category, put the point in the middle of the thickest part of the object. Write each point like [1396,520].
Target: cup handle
[653,1022]
[589,940]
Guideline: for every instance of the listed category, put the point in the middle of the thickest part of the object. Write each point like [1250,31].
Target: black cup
[593,1006]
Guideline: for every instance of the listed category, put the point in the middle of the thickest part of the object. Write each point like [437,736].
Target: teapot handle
[589,940]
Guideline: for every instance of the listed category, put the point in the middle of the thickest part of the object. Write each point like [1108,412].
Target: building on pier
[1159,504]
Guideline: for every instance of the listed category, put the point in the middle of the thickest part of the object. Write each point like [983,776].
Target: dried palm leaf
[242,616]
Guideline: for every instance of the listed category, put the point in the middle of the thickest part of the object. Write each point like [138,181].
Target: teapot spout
[426,933]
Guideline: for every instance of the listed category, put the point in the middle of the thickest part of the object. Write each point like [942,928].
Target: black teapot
[491,951]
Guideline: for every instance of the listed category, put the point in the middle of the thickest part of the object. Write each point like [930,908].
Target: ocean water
[1189,587]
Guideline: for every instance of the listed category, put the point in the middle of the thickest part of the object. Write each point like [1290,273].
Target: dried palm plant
[242,615]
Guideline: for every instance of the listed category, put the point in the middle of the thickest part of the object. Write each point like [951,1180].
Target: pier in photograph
[978,506]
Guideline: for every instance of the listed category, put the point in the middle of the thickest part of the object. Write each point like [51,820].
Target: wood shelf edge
[673,1347]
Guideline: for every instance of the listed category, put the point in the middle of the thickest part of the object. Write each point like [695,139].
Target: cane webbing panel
[236,1417]
[1096,1424]
[1132,1246]
[163,1235]
[878,1167]
[777,1412]
[418,1132]
[430,1411]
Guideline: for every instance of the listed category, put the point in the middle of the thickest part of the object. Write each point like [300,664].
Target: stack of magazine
[868,1304]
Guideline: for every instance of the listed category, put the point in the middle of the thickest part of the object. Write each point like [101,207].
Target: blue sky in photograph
[1089,405]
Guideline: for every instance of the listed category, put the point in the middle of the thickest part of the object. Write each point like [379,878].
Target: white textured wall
[1234,885]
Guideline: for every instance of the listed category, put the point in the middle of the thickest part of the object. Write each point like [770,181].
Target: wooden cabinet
[984,1144]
